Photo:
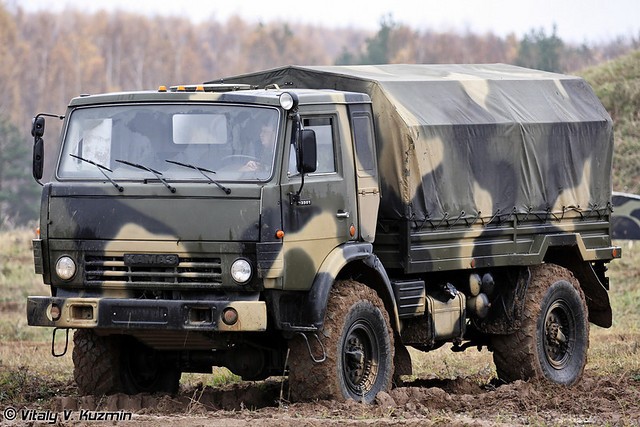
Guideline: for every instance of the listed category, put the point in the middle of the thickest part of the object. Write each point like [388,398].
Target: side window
[362,134]
[323,127]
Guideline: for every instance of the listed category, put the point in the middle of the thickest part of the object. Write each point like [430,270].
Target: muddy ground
[597,400]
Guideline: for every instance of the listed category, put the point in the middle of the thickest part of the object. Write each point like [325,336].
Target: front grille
[190,273]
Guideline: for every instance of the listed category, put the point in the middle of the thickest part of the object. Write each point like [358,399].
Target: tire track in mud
[595,400]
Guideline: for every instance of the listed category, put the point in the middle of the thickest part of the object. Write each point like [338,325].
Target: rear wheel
[119,364]
[358,341]
[553,340]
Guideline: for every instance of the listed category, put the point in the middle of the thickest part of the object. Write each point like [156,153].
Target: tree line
[48,58]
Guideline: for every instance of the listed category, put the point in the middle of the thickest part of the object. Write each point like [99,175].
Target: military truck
[625,222]
[317,221]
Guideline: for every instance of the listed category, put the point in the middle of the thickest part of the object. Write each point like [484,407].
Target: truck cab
[176,215]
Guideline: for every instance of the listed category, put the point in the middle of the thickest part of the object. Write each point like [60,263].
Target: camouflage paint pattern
[96,225]
[480,165]
[476,166]
[625,220]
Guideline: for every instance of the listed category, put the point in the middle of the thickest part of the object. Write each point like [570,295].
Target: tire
[358,340]
[553,339]
[95,362]
[144,370]
[119,364]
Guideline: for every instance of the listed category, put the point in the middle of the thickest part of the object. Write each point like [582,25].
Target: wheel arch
[351,261]
[593,285]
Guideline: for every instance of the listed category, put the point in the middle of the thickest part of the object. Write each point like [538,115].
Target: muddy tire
[95,363]
[553,340]
[144,370]
[359,347]
[118,364]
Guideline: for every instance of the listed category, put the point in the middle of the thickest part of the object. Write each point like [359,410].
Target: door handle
[342,214]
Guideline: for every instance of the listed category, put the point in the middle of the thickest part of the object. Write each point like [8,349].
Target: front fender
[340,263]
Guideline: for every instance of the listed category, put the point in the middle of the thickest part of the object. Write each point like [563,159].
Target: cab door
[327,207]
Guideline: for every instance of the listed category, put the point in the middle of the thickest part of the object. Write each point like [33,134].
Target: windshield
[177,141]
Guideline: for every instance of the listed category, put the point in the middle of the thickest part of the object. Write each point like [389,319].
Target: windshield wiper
[100,168]
[202,171]
[148,169]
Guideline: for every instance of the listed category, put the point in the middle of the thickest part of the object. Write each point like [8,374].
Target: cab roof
[242,94]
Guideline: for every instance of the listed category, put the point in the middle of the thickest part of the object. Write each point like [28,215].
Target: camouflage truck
[625,222]
[317,221]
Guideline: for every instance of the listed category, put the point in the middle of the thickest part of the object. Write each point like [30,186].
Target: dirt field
[446,389]
[596,401]
[475,399]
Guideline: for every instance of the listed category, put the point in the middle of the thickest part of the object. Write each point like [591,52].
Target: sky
[577,21]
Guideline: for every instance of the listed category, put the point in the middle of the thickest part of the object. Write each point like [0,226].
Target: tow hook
[53,342]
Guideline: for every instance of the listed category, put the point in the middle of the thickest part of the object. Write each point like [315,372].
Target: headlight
[65,268]
[241,271]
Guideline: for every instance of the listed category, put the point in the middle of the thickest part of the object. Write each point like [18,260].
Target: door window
[323,128]
[363,135]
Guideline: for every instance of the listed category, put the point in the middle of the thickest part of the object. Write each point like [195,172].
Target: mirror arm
[57,116]
[296,197]
[297,124]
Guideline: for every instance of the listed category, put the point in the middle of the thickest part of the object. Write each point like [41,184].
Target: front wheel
[119,364]
[359,347]
[553,340]
[145,370]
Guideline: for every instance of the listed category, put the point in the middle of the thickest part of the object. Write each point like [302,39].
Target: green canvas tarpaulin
[475,141]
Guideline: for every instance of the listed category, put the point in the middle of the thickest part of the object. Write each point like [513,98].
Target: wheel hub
[359,356]
[356,362]
[557,334]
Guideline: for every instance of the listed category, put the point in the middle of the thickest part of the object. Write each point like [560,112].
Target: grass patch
[17,281]
[218,377]
[617,84]
[24,386]
[17,278]
[36,356]
[616,350]
[625,287]
[445,364]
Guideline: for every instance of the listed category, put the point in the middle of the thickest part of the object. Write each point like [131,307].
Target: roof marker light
[162,88]
[288,101]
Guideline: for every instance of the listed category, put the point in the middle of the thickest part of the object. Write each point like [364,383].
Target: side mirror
[308,152]
[37,127]
[38,158]
[37,131]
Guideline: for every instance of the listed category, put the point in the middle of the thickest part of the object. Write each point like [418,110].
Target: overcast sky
[577,21]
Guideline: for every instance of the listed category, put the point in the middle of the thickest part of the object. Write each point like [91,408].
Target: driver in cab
[263,151]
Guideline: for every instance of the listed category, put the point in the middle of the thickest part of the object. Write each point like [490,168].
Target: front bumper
[124,313]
